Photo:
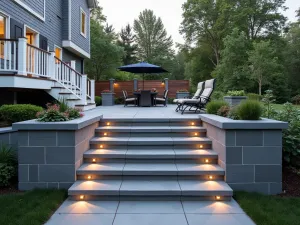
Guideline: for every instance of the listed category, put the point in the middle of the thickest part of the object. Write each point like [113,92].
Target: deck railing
[17,56]
[37,62]
[8,55]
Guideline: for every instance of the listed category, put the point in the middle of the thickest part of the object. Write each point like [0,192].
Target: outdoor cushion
[161,99]
[209,84]
[181,101]
[130,99]
[196,95]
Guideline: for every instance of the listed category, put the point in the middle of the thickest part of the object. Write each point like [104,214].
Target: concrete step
[150,131]
[149,141]
[162,188]
[149,169]
[149,154]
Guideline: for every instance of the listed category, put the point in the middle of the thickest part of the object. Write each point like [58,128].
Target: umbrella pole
[143,81]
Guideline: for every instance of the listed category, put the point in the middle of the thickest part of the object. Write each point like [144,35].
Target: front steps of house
[59,92]
[165,159]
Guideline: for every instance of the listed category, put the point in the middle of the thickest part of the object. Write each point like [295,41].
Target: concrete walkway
[149,213]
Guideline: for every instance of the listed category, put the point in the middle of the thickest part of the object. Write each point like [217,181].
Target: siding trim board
[72,47]
[31,10]
[85,22]
[70,20]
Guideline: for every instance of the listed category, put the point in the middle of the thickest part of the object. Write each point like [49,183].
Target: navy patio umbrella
[142,68]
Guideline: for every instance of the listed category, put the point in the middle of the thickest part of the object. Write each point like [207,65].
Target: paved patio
[149,213]
[119,111]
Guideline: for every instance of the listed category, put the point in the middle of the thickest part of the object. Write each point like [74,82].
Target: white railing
[37,62]
[8,55]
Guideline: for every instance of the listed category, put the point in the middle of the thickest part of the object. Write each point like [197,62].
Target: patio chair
[145,99]
[162,100]
[128,100]
[200,103]
[200,89]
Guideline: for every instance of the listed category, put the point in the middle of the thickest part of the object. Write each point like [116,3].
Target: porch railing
[8,55]
[37,62]
[17,56]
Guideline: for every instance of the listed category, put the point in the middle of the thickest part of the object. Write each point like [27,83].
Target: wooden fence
[173,86]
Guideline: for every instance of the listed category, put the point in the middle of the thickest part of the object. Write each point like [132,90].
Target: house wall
[55,27]
[68,56]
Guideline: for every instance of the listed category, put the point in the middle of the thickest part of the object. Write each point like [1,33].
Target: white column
[22,53]
[84,89]
[51,66]
[93,91]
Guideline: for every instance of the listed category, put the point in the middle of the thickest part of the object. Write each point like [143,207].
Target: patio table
[138,95]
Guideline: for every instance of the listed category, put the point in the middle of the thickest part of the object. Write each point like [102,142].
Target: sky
[121,12]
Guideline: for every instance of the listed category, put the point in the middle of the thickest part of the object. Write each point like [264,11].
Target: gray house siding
[55,27]
[76,37]
[68,56]
[37,5]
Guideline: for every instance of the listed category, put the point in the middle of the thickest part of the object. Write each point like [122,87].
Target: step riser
[145,123]
[147,160]
[147,198]
[150,134]
[93,177]
[146,145]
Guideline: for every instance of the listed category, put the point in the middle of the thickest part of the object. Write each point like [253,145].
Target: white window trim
[37,41]
[32,11]
[85,21]
[7,24]
[70,20]
[61,51]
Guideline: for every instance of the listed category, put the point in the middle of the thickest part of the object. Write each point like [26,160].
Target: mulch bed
[290,182]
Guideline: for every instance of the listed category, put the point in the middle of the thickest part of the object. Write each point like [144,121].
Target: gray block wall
[251,158]
[49,158]
[9,137]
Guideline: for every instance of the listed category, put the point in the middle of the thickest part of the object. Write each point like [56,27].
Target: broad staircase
[165,159]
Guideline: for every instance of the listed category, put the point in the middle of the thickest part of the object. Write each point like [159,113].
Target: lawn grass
[270,210]
[29,208]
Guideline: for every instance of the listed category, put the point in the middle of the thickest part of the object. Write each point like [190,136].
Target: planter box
[182,95]
[234,100]
[108,99]
[50,153]
[249,151]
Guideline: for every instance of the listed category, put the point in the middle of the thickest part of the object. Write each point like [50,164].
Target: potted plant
[234,98]
[153,90]
[108,98]
[182,93]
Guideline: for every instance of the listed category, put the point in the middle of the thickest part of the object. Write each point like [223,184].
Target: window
[57,51]
[2,35]
[82,23]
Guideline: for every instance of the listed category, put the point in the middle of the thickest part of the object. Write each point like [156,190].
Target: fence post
[51,65]
[111,84]
[135,84]
[22,53]
[93,91]
[84,89]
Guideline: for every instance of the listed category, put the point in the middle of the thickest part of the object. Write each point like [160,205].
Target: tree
[110,31]
[206,21]
[127,41]
[260,17]
[154,44]
[233,72]
[263,63]
[298,14]
[177,72]
[105,55]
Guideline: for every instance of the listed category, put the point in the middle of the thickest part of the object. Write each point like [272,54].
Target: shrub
[170,100]
[233,113]
[53,114]
[213,106]
[236,93]
[224,111]
[17,113]
[8,165]
[296,100]
[217,95]
[119,100]
[98,100]
[249,110]
[268,99]
[291,136]
[253,96]
[63,105]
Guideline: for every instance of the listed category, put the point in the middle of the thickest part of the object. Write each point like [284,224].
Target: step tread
[122,168]
[150,153]
[150,139]
[151,187]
